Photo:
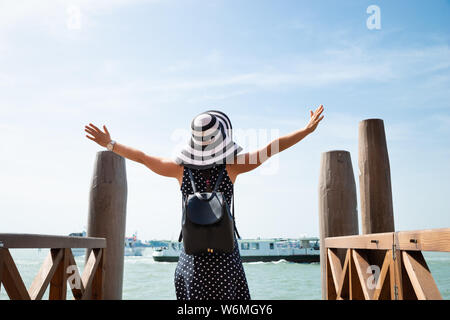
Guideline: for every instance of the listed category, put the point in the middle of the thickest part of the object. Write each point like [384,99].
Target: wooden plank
[356,291]
[383,275]
[330,286]
[17,240]
[99,278]
[379,241]
[335,268]
[46,272]
[397,266]
[74,279]
[89,271]
[58,284]
[343,288]
[419,240]
[424,240]
[11,279]
[420,276]
[392,279]
[1,265]
[408,292]
[362,265]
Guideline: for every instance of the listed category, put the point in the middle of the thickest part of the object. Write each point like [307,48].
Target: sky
[146,68]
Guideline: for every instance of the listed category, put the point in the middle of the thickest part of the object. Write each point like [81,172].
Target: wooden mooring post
[102,276]
[377,214]
[107,217]
[338,214]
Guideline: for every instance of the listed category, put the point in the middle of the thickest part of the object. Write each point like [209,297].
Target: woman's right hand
[102,138]
[315,119]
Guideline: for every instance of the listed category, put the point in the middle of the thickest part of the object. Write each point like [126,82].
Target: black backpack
[207,224]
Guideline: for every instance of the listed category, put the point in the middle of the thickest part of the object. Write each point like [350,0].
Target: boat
[300,250]
[156,243]
[130,248]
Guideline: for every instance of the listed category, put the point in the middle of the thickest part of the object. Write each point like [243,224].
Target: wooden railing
[58,268]
[105,224]
[380,263]
[383,265]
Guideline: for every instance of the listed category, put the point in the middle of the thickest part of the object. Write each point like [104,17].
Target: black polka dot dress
[209,276]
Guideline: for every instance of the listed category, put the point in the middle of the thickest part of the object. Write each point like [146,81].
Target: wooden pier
[56,269]
[102,276]
[403,273]
[380,264]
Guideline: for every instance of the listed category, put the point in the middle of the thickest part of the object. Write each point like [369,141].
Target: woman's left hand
[315,119]
[102,138]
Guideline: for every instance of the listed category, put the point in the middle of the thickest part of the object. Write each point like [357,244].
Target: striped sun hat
[211,142]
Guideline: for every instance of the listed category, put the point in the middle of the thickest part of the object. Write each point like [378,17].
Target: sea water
[147,279]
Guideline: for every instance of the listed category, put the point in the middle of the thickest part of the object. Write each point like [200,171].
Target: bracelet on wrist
[110,145]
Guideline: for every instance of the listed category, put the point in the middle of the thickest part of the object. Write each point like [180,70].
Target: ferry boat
[302,250]
[131,249]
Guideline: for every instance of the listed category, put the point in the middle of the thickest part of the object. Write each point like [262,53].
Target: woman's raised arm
[162,166]
[251,160]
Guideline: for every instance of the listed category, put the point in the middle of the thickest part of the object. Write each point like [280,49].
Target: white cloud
[331,68]
[352,64]
[214,58]
[179,66]
[440,122]
[53,13]
[211,59]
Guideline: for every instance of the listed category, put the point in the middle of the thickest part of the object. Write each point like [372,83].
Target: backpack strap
[181,232]
[219,179]
[234,221]
[192,180]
